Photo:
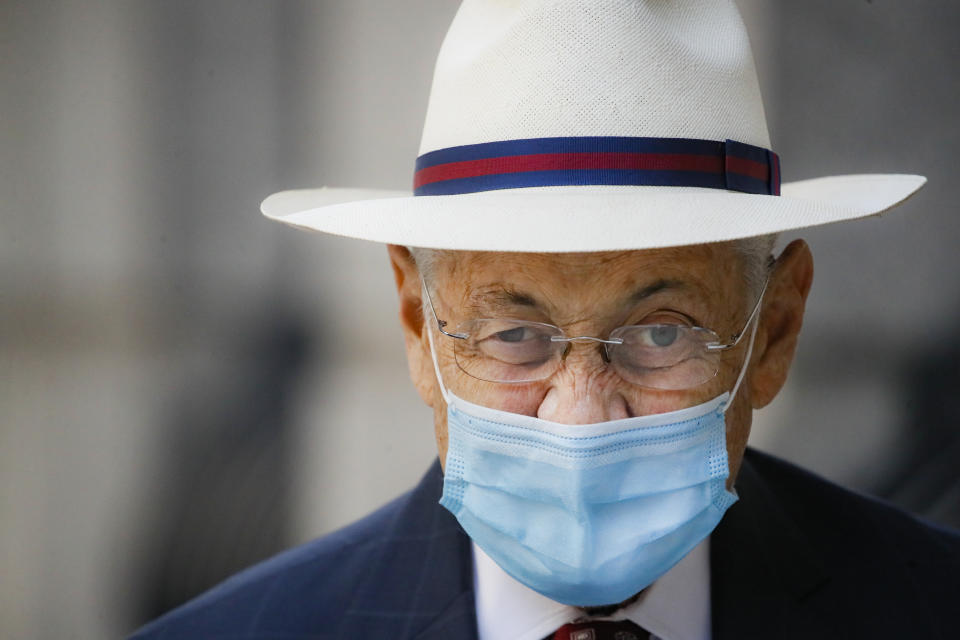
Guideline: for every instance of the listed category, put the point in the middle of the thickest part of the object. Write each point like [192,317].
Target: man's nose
[584,394]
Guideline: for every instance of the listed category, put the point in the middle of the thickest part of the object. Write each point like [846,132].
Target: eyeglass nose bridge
[585,339]
[604,353]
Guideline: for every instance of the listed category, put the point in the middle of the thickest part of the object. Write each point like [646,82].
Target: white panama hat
[591,125]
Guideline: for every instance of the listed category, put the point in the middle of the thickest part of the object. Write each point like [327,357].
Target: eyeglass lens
[663,356]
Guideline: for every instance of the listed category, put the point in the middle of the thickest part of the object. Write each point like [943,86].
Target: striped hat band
[603,160]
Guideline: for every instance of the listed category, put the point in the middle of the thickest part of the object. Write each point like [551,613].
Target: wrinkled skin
[588,294]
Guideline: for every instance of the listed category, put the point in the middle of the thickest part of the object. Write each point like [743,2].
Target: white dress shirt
[675,607]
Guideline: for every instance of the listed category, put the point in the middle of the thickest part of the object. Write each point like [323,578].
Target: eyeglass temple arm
[737,338]
[440,323]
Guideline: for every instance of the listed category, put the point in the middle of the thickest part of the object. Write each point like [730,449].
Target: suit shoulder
[854,522]
[301,588]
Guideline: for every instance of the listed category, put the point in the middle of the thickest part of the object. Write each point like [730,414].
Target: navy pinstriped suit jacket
[796,557]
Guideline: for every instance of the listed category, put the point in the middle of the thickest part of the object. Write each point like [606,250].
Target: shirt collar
[675,607]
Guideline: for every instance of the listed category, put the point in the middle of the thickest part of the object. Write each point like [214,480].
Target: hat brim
[585,218]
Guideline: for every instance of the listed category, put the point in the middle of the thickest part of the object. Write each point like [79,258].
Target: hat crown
[517,69]
[592,125]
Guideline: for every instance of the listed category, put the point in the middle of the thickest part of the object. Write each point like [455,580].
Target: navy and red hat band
[606,160]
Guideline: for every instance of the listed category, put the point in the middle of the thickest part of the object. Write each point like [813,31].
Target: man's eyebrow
[501,297]
[660,285]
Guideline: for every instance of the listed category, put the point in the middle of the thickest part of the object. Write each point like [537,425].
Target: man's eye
[662,335]
[517,334]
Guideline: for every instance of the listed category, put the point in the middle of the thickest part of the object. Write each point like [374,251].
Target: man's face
[591,294]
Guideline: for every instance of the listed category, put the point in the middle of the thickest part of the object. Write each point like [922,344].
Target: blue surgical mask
[587,515]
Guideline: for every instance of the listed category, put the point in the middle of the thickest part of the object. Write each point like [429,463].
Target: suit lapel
[457,621]
[763,570]
[420,584]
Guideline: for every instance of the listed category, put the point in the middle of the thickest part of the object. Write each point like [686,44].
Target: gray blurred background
[186,388]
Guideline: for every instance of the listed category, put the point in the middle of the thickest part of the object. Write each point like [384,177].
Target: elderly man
[591,308]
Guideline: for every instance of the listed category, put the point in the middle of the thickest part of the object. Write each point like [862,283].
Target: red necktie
[600,630]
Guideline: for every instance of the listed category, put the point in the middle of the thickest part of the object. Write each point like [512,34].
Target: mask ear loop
[433,351]
[746,363]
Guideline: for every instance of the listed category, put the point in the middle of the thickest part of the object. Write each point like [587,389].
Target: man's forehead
[674,266]
[621,277]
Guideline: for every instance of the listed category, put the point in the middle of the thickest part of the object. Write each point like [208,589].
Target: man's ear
[406,275]
[780,322]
